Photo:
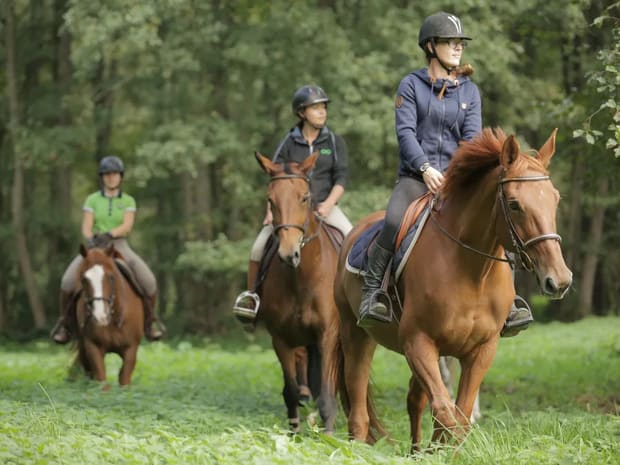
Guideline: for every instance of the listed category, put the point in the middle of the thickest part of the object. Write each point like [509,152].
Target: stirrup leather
[246,305]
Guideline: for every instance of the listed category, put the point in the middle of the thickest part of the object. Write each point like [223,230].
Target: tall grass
[552,396]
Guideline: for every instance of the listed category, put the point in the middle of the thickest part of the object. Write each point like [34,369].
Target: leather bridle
[519,244]
[302,227]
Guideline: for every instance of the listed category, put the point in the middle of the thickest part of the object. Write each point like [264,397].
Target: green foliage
[606,80]
[549,398]
[218,256]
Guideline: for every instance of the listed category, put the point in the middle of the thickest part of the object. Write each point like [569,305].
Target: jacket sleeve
[409,149]
[472,125]
[341,168]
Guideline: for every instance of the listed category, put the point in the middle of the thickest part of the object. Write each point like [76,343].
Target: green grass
[552,396]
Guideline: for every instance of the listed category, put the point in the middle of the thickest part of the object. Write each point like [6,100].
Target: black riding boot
[61,333]
[375,304]
[519,318]
[154,329]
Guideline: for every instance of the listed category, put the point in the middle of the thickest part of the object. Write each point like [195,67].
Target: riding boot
[247,303]
[61,333]
[519,318]
[154,329]
[375,304]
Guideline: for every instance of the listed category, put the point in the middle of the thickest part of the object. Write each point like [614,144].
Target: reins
[520,245]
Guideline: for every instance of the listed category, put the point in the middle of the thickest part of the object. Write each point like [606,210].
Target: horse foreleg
[416,401]
[96,363]
[301,370]
[129,357]
[328,406]
[422,356]
[290,392]
[473,369]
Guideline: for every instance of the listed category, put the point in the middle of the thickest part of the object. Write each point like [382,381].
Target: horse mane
[474,158]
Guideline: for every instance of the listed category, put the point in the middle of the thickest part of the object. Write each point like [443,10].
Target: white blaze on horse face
[95,276]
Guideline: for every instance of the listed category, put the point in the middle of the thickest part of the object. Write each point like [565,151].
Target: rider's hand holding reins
[433,179]
[324,209]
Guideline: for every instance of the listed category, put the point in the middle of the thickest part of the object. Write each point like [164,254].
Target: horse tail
[314,370]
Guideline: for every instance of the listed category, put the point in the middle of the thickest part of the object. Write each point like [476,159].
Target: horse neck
[472,217]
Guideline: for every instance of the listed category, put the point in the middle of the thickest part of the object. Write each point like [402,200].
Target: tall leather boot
[375,305]
[154,329]
[246,304]
[520,316]
[61,333]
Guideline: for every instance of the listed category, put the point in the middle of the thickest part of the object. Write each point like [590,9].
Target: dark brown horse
[110,315]
[297,302]
[456,288]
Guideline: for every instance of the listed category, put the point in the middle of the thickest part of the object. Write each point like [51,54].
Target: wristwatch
[426,165]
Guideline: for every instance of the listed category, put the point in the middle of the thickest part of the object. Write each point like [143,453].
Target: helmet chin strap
[434,55]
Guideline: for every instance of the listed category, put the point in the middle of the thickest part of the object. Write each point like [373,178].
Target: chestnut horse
[110,316]
[297,302]
[456,288]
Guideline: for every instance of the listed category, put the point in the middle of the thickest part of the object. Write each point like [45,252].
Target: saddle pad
[357,259]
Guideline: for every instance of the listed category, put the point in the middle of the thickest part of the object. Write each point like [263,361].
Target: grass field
[552,396]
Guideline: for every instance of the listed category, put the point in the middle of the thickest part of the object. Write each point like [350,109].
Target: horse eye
[514,206]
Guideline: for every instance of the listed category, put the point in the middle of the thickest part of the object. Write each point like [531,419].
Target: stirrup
[246,306]
[368,317]
[521,318]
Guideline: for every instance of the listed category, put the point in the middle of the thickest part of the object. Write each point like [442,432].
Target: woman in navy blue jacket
[436,108]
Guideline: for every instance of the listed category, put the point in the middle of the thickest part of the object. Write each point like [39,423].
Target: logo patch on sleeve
[399,101]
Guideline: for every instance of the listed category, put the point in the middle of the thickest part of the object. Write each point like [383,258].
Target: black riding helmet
[111,164]
[441,25]
[306,96]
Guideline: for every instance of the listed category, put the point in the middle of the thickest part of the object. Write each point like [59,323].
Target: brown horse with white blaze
[110,315]
[297,302]
[456,288]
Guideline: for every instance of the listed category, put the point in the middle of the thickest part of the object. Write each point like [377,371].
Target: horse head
[97,274]
[290,201]
[529,203]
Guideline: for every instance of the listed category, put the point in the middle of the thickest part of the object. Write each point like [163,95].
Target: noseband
[520,245]
[302,227]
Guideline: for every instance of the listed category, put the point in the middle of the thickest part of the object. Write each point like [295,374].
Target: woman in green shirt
[109,212]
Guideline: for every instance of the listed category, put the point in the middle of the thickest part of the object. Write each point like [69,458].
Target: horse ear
[510,151]
[548,149]
[83,250]
[307,165]
[265,163]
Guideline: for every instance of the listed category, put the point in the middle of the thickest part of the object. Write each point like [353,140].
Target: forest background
[185,91]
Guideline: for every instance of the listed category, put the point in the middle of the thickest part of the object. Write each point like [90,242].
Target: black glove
[100,240]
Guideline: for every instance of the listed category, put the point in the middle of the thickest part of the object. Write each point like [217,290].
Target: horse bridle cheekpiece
[302,227]
[521,245]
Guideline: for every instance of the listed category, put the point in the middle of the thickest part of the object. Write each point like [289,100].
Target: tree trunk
[17,194]
[590,263]
[103,106]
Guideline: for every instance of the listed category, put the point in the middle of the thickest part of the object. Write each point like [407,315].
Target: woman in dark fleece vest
[436,107]
[327,181]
